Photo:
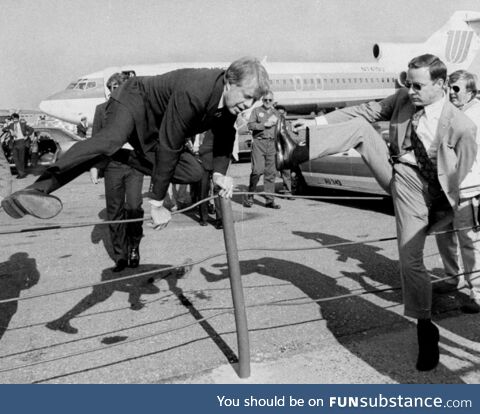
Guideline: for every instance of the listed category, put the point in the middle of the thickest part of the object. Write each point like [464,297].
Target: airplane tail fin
[457,43]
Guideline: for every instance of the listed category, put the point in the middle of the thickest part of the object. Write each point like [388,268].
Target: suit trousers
[469,241]
[18,153]
[119,127]
[263,162]
[411,196]
[123,195]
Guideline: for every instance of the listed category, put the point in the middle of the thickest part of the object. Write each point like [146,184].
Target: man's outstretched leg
[36,199]
[336,138]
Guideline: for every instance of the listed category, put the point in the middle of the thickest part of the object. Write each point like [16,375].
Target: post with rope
[237,288]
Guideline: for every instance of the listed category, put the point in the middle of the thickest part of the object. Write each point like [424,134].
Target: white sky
[45,44]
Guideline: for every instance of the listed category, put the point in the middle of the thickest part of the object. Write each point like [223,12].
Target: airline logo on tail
[458,45]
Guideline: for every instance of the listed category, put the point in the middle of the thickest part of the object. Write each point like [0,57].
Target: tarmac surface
[182,329]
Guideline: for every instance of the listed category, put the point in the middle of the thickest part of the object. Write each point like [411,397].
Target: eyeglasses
[455,88]
[267,100]
[415,85]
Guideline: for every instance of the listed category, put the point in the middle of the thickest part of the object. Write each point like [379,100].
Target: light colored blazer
[456,133]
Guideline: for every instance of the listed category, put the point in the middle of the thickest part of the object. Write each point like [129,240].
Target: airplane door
[298,83]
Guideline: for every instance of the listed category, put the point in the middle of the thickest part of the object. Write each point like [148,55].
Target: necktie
[428,169]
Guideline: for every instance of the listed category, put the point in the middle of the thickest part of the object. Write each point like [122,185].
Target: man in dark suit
[19,131]
[431,148]
[156,114]
[82,127]
[123,193]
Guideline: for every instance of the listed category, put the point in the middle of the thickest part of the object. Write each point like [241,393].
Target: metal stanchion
[237,288]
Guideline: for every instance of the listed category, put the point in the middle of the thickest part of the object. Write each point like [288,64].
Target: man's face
[459,95]
[114,85]
[267,101]
[238,98]
[421,89]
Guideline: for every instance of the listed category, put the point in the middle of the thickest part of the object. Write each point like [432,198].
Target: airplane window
[81,85]
[91,85]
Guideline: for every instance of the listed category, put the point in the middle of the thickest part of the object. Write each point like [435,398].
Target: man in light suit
[424,183]
[156,114]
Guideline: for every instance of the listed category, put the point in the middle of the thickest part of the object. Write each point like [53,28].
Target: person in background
[82,127]
[463,91]
[19,131]
[262,123]
[123,193]
[286,173]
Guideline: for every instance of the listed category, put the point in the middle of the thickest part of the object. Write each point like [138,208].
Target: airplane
[302,87]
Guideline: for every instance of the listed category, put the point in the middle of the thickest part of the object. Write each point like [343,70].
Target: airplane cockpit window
[91,85]
[81,85]
[129,73]
[71,85]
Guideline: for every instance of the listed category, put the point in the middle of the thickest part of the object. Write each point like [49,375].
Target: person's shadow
[19,272]
[351,316]
[135,287]
[101,233]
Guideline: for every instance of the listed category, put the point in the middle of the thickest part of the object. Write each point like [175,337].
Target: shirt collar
[221,104]
[434,110]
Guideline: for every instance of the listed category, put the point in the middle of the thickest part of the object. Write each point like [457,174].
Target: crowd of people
[429,165]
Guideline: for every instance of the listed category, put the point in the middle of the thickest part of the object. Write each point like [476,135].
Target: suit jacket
[169,108]
[81,130]
[456,134]
[26,129]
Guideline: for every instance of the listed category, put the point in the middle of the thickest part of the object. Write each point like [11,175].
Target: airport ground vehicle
[345,171]
[52,142]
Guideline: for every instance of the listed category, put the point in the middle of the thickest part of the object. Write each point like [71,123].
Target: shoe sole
[41,206]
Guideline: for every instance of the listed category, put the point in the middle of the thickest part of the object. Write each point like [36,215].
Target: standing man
[123,193]
[82,127]
[432,147]
[20,131]
[263,120]
[156,114]
[463,90]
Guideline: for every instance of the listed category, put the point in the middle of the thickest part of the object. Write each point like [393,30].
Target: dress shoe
[428,351]
[248,202]
[61,325]
[203,222]
[33,202]
[120,265]
[133,257]
[284,146]
[218,224]
[20,176]
[273,205]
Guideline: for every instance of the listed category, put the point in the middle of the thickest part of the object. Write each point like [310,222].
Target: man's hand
[301,123]
[160,216]
[225,183]
[94,175]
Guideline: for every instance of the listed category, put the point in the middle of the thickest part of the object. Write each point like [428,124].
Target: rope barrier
[191,263]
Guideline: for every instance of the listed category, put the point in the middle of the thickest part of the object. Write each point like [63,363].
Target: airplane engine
[402,77]
[397,53]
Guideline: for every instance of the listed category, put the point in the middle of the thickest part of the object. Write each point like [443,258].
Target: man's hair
[116,77]
[15,116]
[437,69]
[469,78]
[249,70]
